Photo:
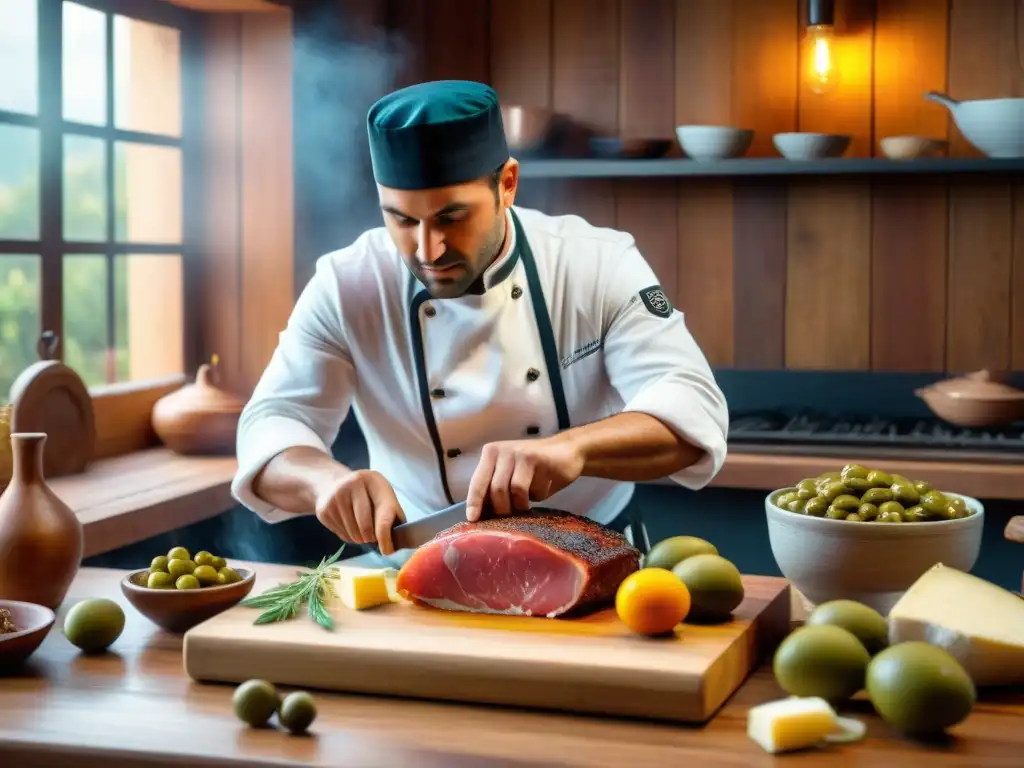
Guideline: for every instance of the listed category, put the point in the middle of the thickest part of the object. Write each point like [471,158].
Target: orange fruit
[652,601]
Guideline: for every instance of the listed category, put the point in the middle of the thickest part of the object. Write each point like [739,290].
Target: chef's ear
[509,182]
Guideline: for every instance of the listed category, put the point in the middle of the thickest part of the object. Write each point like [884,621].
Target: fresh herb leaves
[312,587]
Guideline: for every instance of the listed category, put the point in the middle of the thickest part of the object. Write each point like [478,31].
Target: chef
[491,353]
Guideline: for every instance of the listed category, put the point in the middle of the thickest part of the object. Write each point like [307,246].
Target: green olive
[935,502]
[206,575]
[808,484]
[816,507]
[853,517]
[829,476]
[230,575]
[858,484]
[178,553]
[900,479]
[803,494]
[796,505]
[188,581]
[867,512]
[219,562]
[854,470]
[915,514]
[922,487]
[159,564]
[846,501]
[890,508]
[879,479]
[784,499]
[203,558]
[833,490]
[890,517]
[160,580]
[178,568]
[956,508]
[905,494]
[835,513]
[877,496]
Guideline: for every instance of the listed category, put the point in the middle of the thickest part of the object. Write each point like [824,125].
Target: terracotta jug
[41,539]
[199,418]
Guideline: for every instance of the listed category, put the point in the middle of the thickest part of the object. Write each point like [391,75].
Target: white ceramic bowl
[909,147]
[872,563]
[713,142]
[994,126]
[810,146]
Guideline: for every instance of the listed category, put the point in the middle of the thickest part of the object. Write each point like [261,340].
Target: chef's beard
[467,279]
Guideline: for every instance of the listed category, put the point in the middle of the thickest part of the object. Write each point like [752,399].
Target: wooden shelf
[768,166]
[129,498]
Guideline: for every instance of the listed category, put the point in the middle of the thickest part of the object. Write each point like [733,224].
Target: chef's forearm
[631,447]
[292,480]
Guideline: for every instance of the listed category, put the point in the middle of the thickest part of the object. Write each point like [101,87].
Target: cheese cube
[793,723]
[978,623]
[360,588]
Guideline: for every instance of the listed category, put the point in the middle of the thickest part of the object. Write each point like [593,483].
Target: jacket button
[516,291]
[453,453]
[429,311]
[533,374]
[533,430]
[437,393]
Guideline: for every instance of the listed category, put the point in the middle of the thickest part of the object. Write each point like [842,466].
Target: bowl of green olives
[865,534]
[179,590]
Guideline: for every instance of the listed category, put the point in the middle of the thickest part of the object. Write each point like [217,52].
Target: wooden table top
[134,706]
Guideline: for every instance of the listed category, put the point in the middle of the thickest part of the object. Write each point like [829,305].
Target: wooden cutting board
[592,664]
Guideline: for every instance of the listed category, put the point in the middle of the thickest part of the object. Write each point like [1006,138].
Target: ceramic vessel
[178,610]
[713,142]
[872,563]
[994,127]
[200,418]
[978,399]
[41,538]
[810,146]
[33,623]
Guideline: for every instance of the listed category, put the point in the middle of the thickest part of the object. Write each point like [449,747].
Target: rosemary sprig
[282,602]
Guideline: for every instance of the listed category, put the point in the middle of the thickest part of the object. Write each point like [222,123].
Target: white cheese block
[979,623]
[361,588]
[789,724]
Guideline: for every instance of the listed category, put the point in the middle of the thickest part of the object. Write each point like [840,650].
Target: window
[93,222]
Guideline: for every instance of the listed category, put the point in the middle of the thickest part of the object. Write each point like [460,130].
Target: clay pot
[41,538]
[199,418]
[978,399]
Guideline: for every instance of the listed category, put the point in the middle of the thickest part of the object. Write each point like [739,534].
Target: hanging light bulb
[817,54]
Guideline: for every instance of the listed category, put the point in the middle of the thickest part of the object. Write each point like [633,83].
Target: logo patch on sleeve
[656,301]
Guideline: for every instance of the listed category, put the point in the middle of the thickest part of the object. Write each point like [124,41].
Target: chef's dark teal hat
[436,134]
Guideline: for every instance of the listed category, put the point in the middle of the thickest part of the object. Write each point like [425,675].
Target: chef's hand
[360,507]
[513,473]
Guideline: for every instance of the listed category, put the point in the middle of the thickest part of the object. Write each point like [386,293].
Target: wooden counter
[135,707]
[129,498]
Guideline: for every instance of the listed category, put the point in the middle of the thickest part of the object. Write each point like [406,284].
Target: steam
[341,68]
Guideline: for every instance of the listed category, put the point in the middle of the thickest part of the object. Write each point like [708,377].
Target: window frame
[121,409]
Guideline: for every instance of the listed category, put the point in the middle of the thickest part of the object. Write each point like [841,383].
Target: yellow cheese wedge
[793,723]
[360,588]
[979,623]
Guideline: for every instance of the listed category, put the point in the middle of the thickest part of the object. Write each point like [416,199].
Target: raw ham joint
[544,562]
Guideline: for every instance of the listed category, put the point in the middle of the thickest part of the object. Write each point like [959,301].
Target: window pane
[149,316]
[20,296]
[19,56]
[85,64]
[85,318]
[19,182]
[148,188]
[147,77]
[85,188]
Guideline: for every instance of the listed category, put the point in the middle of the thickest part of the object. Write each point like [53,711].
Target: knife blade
[418,532]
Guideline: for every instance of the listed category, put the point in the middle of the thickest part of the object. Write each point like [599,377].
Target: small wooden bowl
[34,623]
[178,610]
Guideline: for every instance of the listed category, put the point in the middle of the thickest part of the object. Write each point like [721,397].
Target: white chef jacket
[572,327]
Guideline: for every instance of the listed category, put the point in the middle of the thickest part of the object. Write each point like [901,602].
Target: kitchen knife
[417,532]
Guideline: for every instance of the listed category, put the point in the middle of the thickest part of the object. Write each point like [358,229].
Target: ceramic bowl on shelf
[810,146]
[872,563]
[995,127]
[32,624]
[527,129]
[713,142]
[978,399]
[910,147]
[178,610]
